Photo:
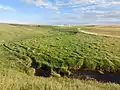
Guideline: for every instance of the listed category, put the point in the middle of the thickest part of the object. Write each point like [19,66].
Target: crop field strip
[104,30]
[99,34]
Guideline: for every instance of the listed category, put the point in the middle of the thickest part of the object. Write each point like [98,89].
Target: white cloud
[56,4]
[87,10]
[6,8]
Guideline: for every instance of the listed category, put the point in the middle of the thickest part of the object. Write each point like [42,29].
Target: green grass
[58,49]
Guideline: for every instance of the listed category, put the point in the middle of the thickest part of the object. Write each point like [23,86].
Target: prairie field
[104,29]
[44,57]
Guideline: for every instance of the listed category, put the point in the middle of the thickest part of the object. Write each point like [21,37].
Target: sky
[60,11]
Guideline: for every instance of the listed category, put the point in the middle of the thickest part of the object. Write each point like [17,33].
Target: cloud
[6,8]
[44,4]
[82,10]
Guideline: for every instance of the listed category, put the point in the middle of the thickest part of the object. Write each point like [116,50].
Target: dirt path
[91,33]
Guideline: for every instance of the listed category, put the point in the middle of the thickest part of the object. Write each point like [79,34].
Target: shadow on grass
[43,71]
[66,30]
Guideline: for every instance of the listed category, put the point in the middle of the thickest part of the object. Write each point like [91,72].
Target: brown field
[104,29]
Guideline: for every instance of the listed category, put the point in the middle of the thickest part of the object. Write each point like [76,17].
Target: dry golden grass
[13,80]
[105,29]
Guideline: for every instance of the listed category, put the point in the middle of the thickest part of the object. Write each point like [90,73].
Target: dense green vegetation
[54,50]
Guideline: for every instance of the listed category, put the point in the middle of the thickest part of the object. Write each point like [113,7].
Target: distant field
[28,52]
[104,29]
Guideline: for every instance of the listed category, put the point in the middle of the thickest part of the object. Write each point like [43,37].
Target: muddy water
[80,74]
[106,77]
